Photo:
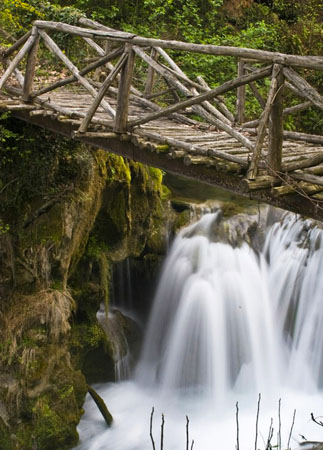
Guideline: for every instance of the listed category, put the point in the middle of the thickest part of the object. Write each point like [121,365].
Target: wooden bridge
[169,121]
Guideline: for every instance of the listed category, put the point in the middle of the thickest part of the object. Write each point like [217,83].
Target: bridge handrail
[309,62]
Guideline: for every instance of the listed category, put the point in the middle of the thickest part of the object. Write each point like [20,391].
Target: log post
[100,95]
[241,94]
[261,130]
[275,145]
[30,67]
[150,74]
[120,124]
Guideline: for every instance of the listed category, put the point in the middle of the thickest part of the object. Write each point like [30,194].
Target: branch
[257,419]
[318,422]
[151,428]
[291,430]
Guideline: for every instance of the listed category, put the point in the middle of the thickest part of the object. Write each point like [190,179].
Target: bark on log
[310,162]
[241,95]
[121,119]
[313,62]
[307,177]
[252,172]
[101,405]
[220,103]
[302,85]
[258,96]
[297,108]
[102,91]
[20,55]
[313,138]
[31,67]
[276,124]
[7,52]
[150,75]
[194,149]
[302,187]
[261,182]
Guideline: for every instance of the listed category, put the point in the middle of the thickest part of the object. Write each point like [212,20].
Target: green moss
[88,335]
[51,429]
[182,220]
[117,169]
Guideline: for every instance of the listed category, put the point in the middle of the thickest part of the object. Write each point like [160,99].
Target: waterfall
[227,323]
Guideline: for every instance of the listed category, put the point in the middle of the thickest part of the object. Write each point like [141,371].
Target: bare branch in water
[162,433]
[237,421]
[318,422]
[187,433]
[270,435]
[279,443]
[257,420]
[192,444]
[291,430]
[151,428]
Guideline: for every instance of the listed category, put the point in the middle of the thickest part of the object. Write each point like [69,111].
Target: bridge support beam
[120,124]
[241,94]
[276,129]
[30,67]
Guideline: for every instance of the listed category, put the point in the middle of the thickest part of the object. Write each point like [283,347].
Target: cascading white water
[227,323]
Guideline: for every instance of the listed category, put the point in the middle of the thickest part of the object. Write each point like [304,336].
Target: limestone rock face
[59,236]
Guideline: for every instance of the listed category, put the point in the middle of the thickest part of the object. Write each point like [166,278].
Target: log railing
[187,96]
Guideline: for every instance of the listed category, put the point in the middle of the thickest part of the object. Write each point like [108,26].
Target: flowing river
[227,324]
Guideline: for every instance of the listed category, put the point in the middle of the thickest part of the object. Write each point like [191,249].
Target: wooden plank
[194,149]
[276,123]
[261,182]
[241,95]
[310,162]
[291,187]
[302,85]
[120,125]
[308,178]
[30,68]
[17,59]
[98,99]
[225,87]
[58,52]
